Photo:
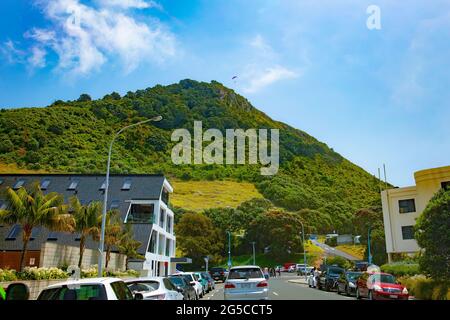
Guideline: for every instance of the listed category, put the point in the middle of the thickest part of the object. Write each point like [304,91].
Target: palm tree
[33,208]
[113,228]
[128,246]
[86,222]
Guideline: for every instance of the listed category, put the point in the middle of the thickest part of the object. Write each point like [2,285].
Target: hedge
[424,288]
[401,269]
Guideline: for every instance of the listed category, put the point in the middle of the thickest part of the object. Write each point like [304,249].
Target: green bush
[332,242]
[7,275]
[424,288]
[35,273]
[339,261]
[401,269]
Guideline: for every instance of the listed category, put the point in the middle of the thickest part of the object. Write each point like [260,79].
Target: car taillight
[229,285]
[262,284]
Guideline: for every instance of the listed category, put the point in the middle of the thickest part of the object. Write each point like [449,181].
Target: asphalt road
[282,289]
[332,251]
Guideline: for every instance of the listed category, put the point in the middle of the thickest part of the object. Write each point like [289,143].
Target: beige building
[402,206]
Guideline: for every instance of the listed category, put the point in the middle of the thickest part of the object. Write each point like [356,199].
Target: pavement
[286,287]
[333,251]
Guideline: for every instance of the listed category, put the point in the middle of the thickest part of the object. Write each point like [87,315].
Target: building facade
[402,206]
[142,200]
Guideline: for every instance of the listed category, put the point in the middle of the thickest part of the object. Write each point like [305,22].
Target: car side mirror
[138,296]
[180,289]
[17,291]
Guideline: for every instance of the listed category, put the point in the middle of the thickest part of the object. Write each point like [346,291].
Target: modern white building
[402,206]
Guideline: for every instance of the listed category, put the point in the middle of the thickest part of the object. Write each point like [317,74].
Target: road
[281,289]
[332,251]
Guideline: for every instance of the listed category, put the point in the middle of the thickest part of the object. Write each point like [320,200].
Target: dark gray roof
[143,187]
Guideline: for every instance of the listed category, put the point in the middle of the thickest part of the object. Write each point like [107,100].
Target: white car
[89,289]
[154,288]
[246,283]
[193,280]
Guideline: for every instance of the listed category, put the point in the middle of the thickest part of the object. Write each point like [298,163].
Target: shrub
[35,273]
[7,275]
[332,242]
[424,288]
[401,269]
[340,261]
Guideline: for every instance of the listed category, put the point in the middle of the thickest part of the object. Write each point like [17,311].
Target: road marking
[275,293]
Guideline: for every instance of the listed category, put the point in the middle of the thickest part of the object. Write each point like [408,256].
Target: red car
[380,286]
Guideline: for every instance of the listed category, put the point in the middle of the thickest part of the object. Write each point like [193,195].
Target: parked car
[246,283]
[380,286]
[218,273]
[328,277]
[346,282]
[287,266]
[155,288]
[211,283]
[291,268]
[303,269]
[193,281]
[89,289]
[187,290]
[203,281]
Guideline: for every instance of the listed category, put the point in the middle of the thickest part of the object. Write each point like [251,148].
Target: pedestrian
[316,274]
[279,271]
[266,272]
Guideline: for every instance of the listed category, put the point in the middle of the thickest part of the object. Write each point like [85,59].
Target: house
[141,199]
[402,206]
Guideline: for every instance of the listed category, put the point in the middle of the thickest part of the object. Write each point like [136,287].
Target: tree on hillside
[432,232]
[87,219]
[84,97]
[197,237]
[315,221]
[277,229]
[33,208]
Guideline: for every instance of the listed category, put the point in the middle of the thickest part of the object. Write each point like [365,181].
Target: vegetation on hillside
[72,136]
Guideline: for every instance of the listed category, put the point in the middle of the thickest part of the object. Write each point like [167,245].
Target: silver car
[246,283]
[154,288]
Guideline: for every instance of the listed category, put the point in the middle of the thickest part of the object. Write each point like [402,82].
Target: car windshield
[245,273]
[143,286]
[177,281]
[217,269]
[353,275]
[384,278]
[79,292]
[334,271]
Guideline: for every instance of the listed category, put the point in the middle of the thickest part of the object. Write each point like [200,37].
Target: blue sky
[375,96]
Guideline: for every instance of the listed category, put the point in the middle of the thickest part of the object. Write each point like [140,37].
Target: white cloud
[84,37]
[126,4]
[264,69]
[261,78]
[11,53]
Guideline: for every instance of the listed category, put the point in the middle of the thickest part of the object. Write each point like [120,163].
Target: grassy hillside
[200,195]
[72,136]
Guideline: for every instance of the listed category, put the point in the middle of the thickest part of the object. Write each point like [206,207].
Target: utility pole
[254,256]
[229,250]
[369,254]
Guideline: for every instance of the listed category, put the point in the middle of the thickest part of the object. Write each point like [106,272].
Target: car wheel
[358,296]
[338,291]
[370,295]
[327,287]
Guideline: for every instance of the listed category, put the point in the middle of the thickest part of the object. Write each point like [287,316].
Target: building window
[165,196]
[169,224]
[103,186]
[152,245]
[19,183]
[44,184]
[161,245]
[35,232]
[73,185]
[408,205]
[407,232]
[126,184]
[168,242]
[140,213]
[13,233]
[162,215]
[445,185]
[3,205]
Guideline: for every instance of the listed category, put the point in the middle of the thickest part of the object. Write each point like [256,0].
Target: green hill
[73,136]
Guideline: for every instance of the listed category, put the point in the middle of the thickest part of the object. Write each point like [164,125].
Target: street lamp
[304,249]
[254,257]
[105,200]
[229,250]
[369,255]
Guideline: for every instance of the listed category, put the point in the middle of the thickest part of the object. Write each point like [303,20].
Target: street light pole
[304,249]
[369,255]
[254,256]
[105,199]
[229,250]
